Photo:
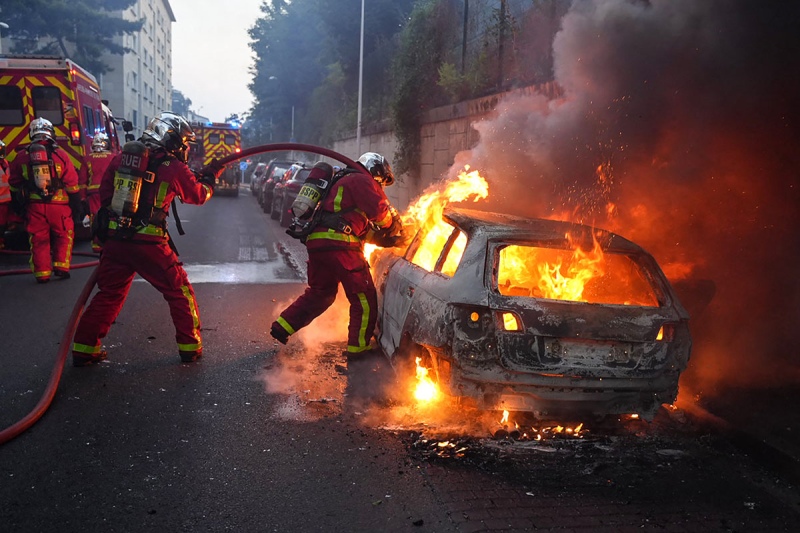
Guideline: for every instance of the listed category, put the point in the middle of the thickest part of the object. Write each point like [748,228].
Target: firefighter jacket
[173,178]
[354,202]
[5,190]
[65,178]
[98,163]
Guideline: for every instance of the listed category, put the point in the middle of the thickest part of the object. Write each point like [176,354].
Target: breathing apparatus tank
[314,188]
[41,167]
[130,175]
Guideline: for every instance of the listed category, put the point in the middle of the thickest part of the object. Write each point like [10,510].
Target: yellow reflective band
[285,325]
[334,236]
[362,332]
[337,202]
[195,315]
[85,348]
[162,194]
[189,347]
[386,221]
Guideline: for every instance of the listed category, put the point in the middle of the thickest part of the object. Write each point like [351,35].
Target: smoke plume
[679,128]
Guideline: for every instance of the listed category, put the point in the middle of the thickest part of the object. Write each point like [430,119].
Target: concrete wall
[445,132]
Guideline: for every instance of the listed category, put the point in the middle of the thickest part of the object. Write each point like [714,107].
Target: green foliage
[416,73]
[307,57]
[81,30]
[180,103]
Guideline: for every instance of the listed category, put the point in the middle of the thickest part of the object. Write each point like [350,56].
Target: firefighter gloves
[214,168]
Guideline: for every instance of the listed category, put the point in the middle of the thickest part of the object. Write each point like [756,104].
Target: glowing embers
[573,274]
[534,433]
[426,390]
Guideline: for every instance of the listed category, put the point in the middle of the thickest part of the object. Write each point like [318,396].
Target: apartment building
[139,85]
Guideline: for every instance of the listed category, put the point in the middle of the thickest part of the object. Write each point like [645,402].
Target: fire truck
[61,91]
[217,140]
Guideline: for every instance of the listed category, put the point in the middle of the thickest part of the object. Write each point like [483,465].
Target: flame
[426,390]
[558,275]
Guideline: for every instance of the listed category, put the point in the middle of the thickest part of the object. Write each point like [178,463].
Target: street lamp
[360,81]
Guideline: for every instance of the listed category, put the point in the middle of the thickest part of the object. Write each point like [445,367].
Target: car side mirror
[130,137]
[127,125]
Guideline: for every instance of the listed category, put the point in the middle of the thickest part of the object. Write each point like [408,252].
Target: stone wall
[446,131]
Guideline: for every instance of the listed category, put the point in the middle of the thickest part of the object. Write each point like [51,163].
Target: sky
[211,58]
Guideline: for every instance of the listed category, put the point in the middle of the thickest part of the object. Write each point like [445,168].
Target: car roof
[503,226]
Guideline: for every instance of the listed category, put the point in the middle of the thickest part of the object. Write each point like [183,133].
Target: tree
[79,29]
[180,103]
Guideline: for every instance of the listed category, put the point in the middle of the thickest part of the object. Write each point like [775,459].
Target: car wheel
[285,213]
[276,208]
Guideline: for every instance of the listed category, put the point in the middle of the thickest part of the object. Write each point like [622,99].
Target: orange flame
[426,390]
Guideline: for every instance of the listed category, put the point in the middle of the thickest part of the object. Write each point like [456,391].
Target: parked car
[285,191]
[257,178]
[483,299]
[275,171]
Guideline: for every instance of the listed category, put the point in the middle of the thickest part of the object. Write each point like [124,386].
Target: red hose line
[285,147]
[66,340]
[55,376]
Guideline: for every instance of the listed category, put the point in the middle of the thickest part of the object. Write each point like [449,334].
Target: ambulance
[217,140]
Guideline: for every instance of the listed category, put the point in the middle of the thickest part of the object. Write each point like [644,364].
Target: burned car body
[473,296]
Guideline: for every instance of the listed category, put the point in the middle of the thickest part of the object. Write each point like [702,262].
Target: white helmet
[379,167]
[100,143]
[41,129]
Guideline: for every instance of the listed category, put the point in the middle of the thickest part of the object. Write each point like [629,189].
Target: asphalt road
[260,437]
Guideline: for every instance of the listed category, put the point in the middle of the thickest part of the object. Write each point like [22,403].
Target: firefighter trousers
[159,266]
[51,231]
[326,269]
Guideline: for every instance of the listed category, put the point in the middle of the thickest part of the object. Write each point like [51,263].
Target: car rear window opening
[573,275]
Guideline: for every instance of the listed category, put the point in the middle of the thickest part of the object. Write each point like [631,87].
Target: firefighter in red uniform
[355,204]
[44,185]
[98,161]
[5,194]
[136,192]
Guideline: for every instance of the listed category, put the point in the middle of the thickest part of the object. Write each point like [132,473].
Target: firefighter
[98,161]
[354,205]
[136,191]
[5,194]
[45,190]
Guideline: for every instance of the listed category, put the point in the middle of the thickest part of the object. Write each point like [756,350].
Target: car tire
[285,213]
[276,208]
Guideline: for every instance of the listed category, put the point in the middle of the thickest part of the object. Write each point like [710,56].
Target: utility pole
[360,81]
[464,37]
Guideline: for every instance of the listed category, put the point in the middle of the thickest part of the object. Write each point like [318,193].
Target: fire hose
[66,339]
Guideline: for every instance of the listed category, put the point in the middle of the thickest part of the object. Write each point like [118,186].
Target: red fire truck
[217,140]
[62,92]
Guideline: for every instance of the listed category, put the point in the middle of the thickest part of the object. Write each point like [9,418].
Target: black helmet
[379,167]
[171,132]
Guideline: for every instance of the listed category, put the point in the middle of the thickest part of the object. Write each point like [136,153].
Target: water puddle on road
[241,273]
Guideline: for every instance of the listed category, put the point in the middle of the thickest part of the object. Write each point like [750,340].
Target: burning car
[533,315]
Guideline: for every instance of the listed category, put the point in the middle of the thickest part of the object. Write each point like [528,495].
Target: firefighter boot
[84,359]
[190,356]
[279,333]
[59,273]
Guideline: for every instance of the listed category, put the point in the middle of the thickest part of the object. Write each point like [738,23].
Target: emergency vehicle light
[75,133]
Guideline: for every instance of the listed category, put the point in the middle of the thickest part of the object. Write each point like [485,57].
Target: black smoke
[679,128]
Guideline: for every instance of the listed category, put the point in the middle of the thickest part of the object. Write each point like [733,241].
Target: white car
[534,315]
